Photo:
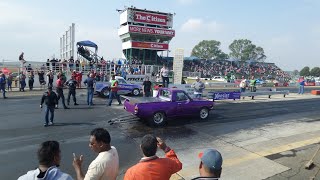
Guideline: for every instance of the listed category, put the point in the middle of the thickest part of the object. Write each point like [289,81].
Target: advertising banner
[153,31]
[224,95]
[146,17]
[149,45]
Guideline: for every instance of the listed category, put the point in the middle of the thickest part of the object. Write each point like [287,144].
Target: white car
[218,78]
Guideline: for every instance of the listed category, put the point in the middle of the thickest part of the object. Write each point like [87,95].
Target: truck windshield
[165,94]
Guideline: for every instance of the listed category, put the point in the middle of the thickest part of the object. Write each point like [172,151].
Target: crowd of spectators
[210,68]
[106,164]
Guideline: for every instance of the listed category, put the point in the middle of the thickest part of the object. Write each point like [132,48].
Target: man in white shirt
[165,75]
[106,165]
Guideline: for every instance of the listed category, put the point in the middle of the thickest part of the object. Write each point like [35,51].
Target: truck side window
[181,96]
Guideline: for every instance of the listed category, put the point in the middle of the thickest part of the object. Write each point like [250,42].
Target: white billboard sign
[178,66]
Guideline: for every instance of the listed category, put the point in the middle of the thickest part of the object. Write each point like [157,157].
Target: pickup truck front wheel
[158,119]
[204,113]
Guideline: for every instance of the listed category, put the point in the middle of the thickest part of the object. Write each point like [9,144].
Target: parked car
[169,103]
[218,78]
[124,88]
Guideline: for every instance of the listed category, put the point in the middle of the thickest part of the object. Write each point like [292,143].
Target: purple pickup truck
[169,103]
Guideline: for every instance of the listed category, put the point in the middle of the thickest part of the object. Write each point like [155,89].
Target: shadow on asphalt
[73,124]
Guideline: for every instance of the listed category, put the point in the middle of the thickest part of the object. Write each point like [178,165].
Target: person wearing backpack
[72,84]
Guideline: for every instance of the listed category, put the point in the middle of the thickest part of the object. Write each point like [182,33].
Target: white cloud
[194,24]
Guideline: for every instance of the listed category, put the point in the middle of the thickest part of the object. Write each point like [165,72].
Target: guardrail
[237,95]
[264,93]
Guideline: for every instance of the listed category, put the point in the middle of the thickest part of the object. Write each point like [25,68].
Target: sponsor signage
[225,95]
[135,79]
[150,45]
[150,18]
[153,31]
[146,17]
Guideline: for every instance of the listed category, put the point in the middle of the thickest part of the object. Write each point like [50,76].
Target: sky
[287,30]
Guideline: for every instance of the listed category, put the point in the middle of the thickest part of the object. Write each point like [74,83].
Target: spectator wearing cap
[50,98]
[210,165]
[151,166]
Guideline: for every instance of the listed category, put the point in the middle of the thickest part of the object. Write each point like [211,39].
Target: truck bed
[141,100]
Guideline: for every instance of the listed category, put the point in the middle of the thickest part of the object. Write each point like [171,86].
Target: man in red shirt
[151,166]
[79,79]
[59,87]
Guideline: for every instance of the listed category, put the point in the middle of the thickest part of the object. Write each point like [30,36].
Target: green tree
[305,71]
[295,73]
[209,49]
[243,49]
[315,72]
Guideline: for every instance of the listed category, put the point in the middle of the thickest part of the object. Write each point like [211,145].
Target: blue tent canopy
[87,43]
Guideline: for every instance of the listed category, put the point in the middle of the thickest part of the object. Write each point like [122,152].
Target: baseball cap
[211,158]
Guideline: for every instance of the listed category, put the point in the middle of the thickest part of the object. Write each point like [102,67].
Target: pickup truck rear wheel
[204,113]
[158,119]
[136,92]
[105,92]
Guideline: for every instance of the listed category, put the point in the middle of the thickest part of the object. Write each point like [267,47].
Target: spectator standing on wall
[22,61]
[198,87]
[165,75]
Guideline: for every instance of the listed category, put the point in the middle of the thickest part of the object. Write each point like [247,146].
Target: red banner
[150,18]
[153,31]
[150,45]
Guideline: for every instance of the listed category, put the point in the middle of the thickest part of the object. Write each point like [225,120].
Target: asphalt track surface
[21,128]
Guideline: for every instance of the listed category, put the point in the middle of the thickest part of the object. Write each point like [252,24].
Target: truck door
[184,105]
